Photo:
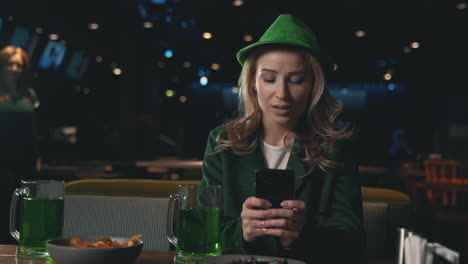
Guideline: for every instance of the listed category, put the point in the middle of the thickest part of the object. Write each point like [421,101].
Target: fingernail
[265,229]
[294,209]
[284,204]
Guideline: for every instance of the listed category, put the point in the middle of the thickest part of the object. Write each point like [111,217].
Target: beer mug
[41,216]
[199,220]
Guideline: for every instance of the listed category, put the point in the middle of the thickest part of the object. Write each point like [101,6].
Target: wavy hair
[316,128]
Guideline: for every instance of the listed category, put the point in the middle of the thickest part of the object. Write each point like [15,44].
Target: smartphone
[274,185]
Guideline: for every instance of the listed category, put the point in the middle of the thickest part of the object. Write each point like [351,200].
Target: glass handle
[14,201]
[170,219]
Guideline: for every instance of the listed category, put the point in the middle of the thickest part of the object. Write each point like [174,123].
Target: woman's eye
[297,80]
[269,80]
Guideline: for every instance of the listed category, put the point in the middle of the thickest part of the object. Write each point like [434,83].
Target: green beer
[198,232]
[41,221]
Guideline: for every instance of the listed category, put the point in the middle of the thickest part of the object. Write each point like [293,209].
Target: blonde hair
[316,128]
[6,53]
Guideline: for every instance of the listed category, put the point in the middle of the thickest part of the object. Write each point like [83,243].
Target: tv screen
[24,38]
[21,37]
[77,66]
[52,56]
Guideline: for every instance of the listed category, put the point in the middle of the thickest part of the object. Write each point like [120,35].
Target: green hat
[288,29]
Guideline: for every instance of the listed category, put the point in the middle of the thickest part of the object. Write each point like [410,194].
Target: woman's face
[283,83]
[14,67]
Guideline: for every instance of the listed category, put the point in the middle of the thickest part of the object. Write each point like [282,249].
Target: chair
[445,190]
[125,187]
[384,210]
[92,215]
[444,171]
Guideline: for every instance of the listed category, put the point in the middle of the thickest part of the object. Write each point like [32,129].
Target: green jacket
[334,230]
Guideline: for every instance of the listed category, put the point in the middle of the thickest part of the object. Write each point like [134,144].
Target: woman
[288,121]
[18,143]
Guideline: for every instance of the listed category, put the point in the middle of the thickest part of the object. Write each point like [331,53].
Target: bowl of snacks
[95,250]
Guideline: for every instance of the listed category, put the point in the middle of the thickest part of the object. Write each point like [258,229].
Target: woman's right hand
[253,218]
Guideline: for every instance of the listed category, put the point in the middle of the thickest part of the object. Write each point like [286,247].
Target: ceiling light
[147,25]
[168,53]
[207,35]
[39,30]
[183,99]
[215,66]
[388,76]
[406,49]
[415,45]
[360,33]
[53,36]
[203,81]
[187,64]
[170,93]
[117,71]
[99,59]
[93,26]
[160,64]
[237,2]
[248,38]
[462,5]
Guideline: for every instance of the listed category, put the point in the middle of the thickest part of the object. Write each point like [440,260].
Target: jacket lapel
[296,164]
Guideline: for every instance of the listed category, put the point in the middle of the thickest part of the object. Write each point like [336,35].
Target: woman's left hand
[286,222]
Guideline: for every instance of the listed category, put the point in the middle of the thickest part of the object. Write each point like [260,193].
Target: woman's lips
[282,109]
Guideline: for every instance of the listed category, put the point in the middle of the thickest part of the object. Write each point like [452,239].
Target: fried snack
[105,242]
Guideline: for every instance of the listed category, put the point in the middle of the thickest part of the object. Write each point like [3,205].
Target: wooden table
[170,164]
[8,256]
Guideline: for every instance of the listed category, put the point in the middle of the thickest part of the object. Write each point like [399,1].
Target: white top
[276,157]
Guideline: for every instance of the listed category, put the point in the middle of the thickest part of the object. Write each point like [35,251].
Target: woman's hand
[253,216]
[286,222]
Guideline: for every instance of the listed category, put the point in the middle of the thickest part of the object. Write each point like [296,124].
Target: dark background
[129,116]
